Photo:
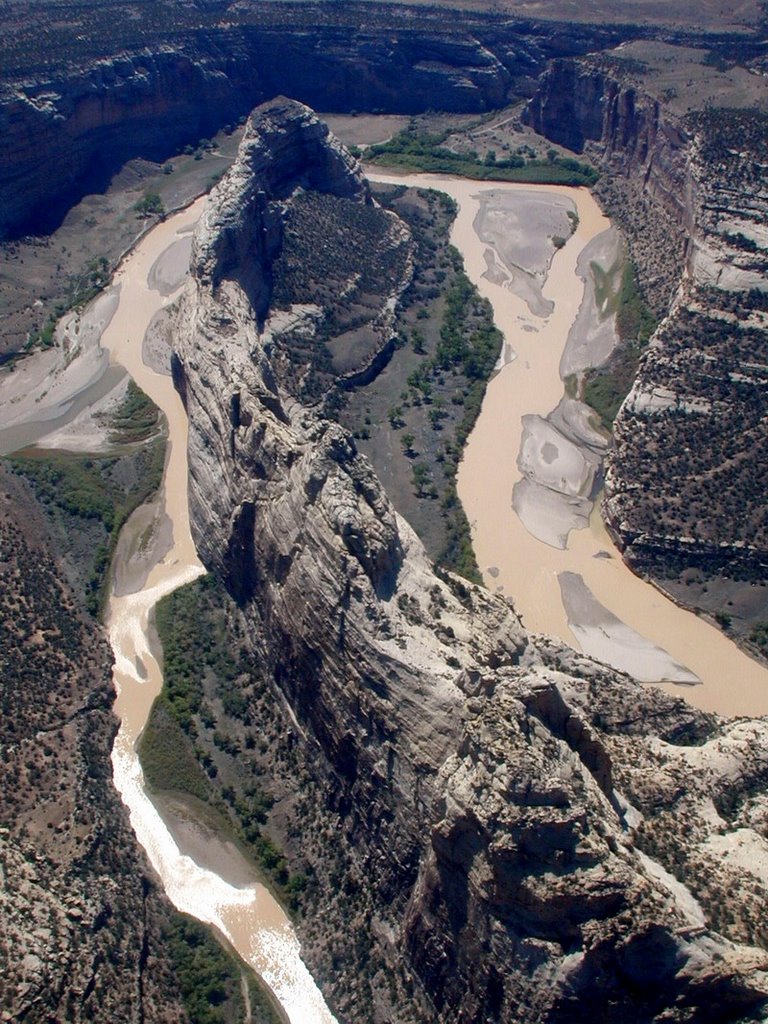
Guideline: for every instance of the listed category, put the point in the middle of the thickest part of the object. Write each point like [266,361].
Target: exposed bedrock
[468,773]
[87,119]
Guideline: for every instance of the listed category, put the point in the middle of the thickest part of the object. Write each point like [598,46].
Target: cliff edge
[686,180]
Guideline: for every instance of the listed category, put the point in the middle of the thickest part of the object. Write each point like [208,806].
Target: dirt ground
[687,79]
[705,16]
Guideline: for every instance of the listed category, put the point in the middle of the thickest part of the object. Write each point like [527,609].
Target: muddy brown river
[247,915]
[512,560]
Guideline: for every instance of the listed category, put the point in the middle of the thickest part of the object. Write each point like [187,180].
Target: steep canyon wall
[685,479]
[70,124]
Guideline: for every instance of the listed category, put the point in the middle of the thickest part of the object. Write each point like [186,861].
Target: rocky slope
[132,83]
[81,919]
[691,192]
[465,812]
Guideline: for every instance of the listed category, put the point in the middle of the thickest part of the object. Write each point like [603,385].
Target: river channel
[247,915]
[511,559]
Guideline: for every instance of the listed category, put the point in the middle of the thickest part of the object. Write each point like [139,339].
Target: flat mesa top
[705,16]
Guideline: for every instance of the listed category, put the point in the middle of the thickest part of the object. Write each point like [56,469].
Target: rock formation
[479,793]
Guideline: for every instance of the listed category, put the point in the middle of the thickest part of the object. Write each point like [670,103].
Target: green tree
[150,205]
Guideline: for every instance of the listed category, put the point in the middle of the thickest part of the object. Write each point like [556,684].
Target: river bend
[248,916]
[513,561]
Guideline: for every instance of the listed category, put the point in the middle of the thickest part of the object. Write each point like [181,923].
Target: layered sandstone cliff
[691,192]
[470,826]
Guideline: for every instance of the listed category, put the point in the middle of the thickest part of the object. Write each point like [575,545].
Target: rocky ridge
[473,828]
[691,193]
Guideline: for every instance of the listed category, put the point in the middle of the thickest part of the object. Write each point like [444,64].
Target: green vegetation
[635,323]
[135,419]
[92,490]
[606,387]
[167,759]
[415,150]
[150,205]
[183,748]
[210,978]
[46,336]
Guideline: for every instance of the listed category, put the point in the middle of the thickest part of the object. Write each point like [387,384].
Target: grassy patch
[414,150]
[167,757]
[635,323]
[210,978]
[606,387]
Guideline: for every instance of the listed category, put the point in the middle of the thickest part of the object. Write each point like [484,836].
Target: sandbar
[592,336]
[522,231]
[605,637]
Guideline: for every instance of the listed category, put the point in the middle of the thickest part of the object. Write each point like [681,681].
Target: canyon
[410,695]
[688,188]
[90,116]
[476,796]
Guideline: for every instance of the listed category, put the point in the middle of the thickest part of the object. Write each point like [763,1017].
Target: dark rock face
[469,836]
[87,120]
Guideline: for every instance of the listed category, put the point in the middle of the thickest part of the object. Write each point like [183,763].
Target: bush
[150,205]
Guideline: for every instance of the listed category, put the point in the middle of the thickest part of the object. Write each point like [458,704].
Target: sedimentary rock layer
[94,101]
[685,482]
